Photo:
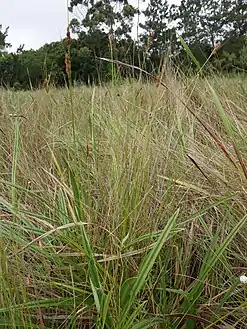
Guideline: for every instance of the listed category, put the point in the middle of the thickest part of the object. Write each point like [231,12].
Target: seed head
[67,63]
[68,36]
[217,47]
[150,38]
[46,85]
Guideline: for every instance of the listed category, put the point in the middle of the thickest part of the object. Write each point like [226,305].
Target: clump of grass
[138,224]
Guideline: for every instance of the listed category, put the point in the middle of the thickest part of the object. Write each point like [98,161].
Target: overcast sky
[35,22]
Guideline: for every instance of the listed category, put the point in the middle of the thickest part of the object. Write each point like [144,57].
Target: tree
[105,32]
[214,20]
[20,49]
[187,18]
[114,16]
[157,24]
[203,21]
[239,17]
[3,36]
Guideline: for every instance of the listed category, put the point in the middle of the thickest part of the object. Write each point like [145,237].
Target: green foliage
[3,42]
[115,16]
[105,32]
[239,17]
[156,23]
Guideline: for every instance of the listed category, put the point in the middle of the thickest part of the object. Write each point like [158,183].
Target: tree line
[214,31]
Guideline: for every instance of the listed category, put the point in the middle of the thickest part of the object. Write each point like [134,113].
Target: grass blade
[189,53]
[146,266]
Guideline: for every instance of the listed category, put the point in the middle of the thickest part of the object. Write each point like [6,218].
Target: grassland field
[124,206]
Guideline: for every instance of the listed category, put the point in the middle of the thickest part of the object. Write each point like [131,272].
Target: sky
[34,22]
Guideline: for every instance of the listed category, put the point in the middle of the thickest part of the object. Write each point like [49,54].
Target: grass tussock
[136,217]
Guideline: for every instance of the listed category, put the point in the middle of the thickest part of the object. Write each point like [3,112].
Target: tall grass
[136,218]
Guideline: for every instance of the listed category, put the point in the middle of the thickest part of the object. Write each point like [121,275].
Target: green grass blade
[223,115]
[210,261]
[16,151]
[96,297]
[94,275]
[189,52]
[147,265]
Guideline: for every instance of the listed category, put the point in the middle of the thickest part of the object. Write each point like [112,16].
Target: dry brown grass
[140,155]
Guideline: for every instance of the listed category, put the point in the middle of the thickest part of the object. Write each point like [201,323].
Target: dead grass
[139,157]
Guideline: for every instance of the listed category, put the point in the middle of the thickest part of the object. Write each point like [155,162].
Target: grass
[134,219]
